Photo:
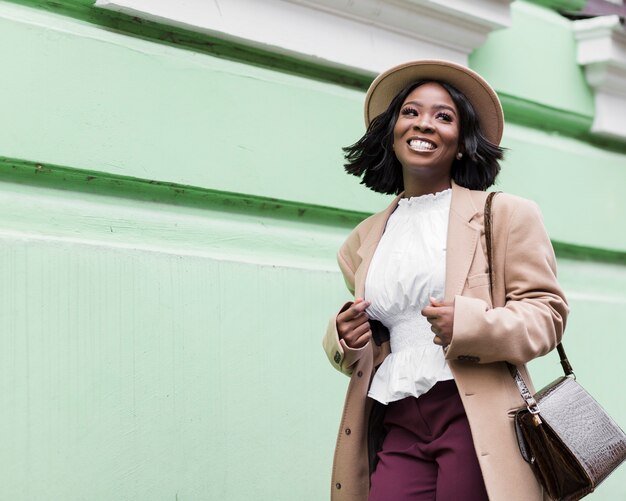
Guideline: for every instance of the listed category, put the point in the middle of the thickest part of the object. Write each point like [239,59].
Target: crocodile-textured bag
[568,439]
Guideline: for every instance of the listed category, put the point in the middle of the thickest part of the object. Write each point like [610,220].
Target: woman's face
[426,134]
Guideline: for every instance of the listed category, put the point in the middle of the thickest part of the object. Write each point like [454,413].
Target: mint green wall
[162,341]
[139,362]
[575,184]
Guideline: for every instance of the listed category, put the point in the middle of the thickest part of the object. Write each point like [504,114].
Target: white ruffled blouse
[407,269]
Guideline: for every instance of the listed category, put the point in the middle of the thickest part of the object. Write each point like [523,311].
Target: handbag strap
[515,373]
[488,236]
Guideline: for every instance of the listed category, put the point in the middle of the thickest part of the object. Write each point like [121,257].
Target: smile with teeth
[421,145]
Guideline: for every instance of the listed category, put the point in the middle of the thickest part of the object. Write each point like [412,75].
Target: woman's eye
[409,111]
[445,116]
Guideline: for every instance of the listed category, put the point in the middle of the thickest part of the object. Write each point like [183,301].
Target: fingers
[440,315]
[437,309]
[359,330]
[431,309]
[440,302]
[436,302]
[353,325]
[354,314]
[430,312]
[441,341]
[361,340]
[358,336]
[440,337]
[358,308]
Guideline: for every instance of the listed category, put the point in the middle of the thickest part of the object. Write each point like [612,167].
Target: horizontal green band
[65,178]
[564,5]
[85,181]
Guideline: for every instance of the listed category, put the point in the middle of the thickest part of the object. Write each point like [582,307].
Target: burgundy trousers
[428,452]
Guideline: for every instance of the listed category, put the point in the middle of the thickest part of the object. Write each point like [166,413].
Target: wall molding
[366,36]
[602,52]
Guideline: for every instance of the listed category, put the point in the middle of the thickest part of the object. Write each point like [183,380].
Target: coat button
[359,374]
[348,431]
[337,485]
[337,357]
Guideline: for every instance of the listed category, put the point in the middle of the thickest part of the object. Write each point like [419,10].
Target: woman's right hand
[353,325]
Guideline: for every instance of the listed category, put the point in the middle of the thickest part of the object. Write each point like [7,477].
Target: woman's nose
[423,125]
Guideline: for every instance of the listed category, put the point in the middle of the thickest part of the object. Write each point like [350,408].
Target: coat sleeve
[341,356]
[532,320]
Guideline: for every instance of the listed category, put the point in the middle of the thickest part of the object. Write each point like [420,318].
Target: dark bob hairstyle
[373,159]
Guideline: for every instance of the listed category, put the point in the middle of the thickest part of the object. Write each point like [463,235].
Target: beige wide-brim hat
[483,98]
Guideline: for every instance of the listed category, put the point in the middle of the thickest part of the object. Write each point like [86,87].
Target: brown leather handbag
[568,439]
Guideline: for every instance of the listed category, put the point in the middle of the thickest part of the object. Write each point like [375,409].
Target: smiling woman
[424,342]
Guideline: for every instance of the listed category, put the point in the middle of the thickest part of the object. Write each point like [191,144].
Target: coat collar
[463,233]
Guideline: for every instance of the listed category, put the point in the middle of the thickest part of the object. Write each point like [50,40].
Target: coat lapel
[461,242]
[369,244]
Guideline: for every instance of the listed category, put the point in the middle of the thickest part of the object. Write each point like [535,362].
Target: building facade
[172,198]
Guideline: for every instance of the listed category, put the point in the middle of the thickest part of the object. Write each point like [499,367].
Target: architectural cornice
[363,35]
[602,52]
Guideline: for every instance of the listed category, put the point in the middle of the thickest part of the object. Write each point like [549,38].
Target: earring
[459,155]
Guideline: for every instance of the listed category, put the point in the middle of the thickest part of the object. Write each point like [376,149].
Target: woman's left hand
[440,315]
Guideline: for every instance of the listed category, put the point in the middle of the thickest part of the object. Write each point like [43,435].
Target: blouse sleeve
[532,320]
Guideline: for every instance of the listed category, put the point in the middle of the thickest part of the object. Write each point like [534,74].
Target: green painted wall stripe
[530,113]
[85,181]
[565,5]
[564,250]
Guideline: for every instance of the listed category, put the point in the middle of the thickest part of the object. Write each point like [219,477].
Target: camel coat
[527,322]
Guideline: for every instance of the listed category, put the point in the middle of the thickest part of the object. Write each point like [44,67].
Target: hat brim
[483,98]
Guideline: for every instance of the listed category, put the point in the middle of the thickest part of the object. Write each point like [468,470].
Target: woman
[428,409]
